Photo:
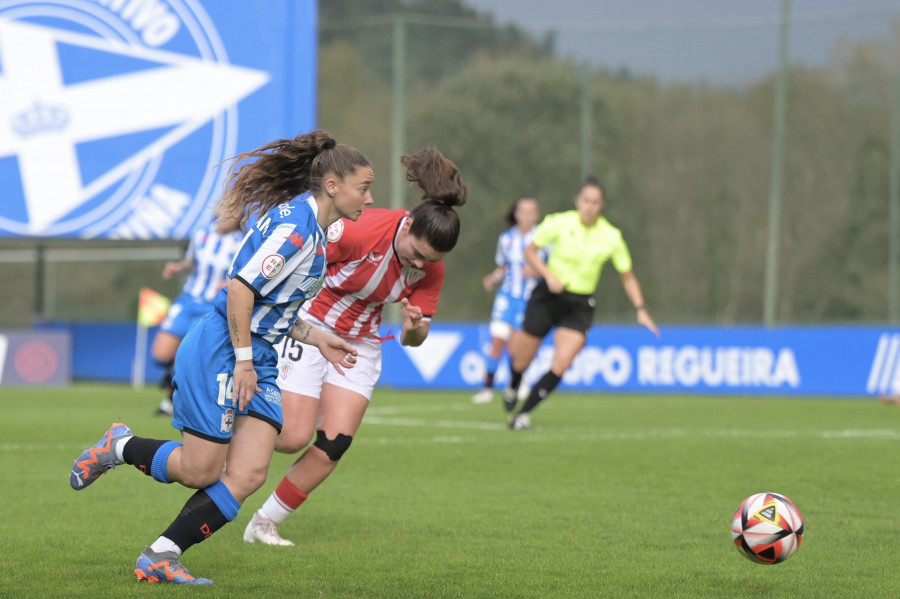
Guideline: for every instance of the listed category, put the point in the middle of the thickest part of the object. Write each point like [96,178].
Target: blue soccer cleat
[98,459]
[164,567]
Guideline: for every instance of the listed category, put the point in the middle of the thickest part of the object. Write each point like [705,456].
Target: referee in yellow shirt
[581,242]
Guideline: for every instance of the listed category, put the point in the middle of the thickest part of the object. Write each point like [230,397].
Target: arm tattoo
[300,329]
[232,320]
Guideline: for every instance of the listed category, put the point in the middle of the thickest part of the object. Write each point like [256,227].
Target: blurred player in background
[583,241]
[227,401]
[516,279]
[208,257]
[387,256]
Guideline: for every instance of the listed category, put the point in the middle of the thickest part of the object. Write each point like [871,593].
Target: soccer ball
[767,528]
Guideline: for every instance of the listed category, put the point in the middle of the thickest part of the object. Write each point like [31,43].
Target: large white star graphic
[41,119]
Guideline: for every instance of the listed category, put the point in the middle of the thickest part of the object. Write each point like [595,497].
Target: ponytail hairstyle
[285,169]
[434,220]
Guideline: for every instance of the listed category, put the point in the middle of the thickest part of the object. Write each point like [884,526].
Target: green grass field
[608,496]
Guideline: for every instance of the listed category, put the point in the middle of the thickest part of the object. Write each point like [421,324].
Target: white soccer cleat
[264,531]
[165,408]
[486,395]
[524,390]
[520,422]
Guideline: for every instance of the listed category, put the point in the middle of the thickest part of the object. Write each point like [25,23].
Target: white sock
[162,544]
[120,447]
[273,509]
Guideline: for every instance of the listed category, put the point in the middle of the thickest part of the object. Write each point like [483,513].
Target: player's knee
[333,448]
[197,479]
[292,441]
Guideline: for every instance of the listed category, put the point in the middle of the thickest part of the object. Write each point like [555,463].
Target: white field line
[550,434]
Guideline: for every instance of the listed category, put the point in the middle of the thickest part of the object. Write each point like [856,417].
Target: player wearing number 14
[227,402]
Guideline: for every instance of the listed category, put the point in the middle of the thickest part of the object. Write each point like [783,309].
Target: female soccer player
[208,257]
[387,256]
[227,402]
[583,241]
[517,281]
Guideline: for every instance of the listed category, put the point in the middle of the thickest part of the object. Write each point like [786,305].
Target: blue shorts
[204,366]
[184,312]
[510,310]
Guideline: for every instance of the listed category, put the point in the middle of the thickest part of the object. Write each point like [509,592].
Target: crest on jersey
[335,230]
[104,103]
[227,421]
[286,370]
[412,275]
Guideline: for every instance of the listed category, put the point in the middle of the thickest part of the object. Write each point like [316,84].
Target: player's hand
[170,270]
[554,284]
[489,281]
[245,378]
[412,315]
[336,350]
[644,318]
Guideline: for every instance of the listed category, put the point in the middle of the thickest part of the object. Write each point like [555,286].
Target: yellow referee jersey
[578,252]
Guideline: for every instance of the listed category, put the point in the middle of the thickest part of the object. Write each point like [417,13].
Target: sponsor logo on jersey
[102,102]
[374,258]
[272,265]
[272,395]
[296,239]
[335,230]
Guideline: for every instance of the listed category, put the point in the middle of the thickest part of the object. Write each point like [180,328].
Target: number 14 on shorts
[226,388]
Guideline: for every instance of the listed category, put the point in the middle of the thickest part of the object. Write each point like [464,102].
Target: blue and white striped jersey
[282,259]
[511,255]
[211,254]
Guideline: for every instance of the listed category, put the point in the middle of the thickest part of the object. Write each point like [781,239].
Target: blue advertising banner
[35,358]
[741,360]
[833,361]
[116,114]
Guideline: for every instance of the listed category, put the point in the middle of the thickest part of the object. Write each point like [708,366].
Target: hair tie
[329,144]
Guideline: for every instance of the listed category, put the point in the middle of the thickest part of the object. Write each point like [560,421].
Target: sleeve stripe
[256,293]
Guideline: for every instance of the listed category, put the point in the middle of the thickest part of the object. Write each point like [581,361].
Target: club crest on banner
[114,117]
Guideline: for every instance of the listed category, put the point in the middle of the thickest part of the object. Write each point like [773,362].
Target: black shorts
[547,310]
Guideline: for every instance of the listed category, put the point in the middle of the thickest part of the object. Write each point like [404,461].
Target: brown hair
[285,169]
[592,181]
[434,220]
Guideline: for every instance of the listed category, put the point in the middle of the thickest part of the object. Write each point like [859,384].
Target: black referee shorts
[547,310]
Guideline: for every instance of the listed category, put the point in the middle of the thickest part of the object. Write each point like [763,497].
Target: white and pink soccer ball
[767,528]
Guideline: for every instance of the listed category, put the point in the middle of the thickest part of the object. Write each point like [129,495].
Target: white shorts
[302,368]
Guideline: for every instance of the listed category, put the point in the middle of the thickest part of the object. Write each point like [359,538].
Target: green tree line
[685,165]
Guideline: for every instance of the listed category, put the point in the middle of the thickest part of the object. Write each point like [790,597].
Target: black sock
[515,379]
[540,391]
[198,519]
[139,452]
[165,382]
[489,380]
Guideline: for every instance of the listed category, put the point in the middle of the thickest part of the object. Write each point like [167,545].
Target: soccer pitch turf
[608,496]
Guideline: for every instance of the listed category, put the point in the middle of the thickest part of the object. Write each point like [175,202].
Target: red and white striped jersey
[364,273]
